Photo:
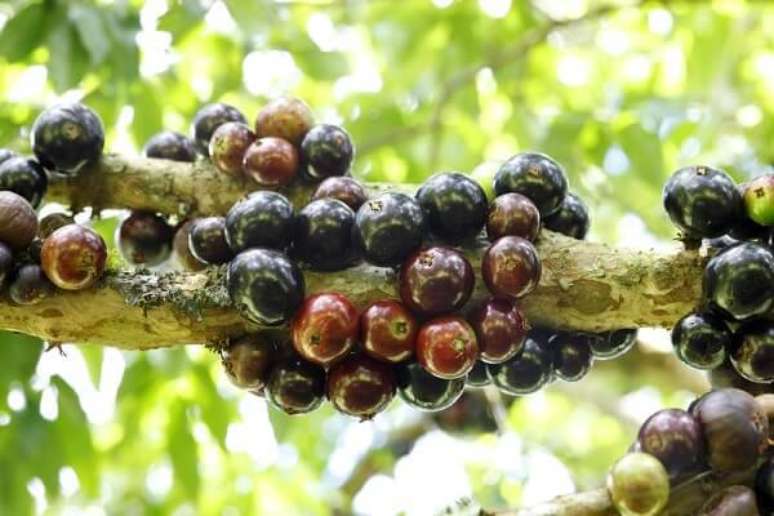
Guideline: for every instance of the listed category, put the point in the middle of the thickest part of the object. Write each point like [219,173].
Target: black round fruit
[572,357]
[6,154]
[265,286]
[172,146]
[700,340]
[478,377]
[703,202]
[264,219]
[527,372]
[209,118]
[423,391]
[675,438]
[323,235]
[389,228]
[296,386]
[752,352]
[455,206]
[144,238]
[535,175]
[572,218]
[738,281]
[6,263]
[67,136]
[30,285]
[613,344]
[25,177]
[327,151]
[207,241]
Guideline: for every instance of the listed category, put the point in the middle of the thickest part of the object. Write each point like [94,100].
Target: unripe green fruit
[758,197]
[638,485]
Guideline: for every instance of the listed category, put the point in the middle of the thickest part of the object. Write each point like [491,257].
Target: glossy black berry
[327,151]
[455,206]
[572,357]
[726,375]
[172,146]
[345,189]
[752,351]
[535,175]
[323,235]
[208,119]
[264,219]
[478,377]
[207,241]
[25,177]
[67,136]
[700,340]
[738,282]
[6,154]
[144,238]
[436,280]
[525,373]
[423,391]
[30,285]
[613,344]
[389,228]
[6,263]
[296,386]
[265,286]
[703,202]
[572,218]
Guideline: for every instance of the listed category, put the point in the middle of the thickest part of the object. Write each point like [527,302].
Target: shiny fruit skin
[423,391]
[389,228]
[447,347]
[758,197]
[675,438]
[512,214]
[180,244]
[248,360]
[52,222]
[726,375]
[325,328]
[30,286]
[67,136]
[737,282]
[436,280]
[572,357]
[171,146]
[735,429]
[345,189]
[700,340]
[572,219]
[501,330]
[228,145]
[525,373]
[144,238]
[752,352]
[207,241]
[360,386]
[288,118]
[208,119]
[731,501]
[478,376]
[6,154]
[73,257]
[323,235]
[613,344]
[25,177]
[388,331]
[271,162]
[454,205]
[638,485]
[6,263]
[18,221]
[263,219]
[295,386]
[703,202]
[265,286]
[511,267]
[327,151]
[536,176]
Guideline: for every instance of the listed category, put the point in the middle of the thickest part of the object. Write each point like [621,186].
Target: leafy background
[621,93]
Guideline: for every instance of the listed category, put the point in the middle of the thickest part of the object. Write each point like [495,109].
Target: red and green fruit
[73,257]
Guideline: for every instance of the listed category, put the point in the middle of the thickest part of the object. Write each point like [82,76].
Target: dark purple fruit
[208,119]
[295,386]
[638,485]
[325,328]
[501,329]
[446,347]
[52,222]
[703,202]
[389,228]
[248,360]
[764,486]
[572,218]
[6,154]
[421,390]
[6,263]
[731,501]
[360,386]
[344,189]
[271,162]
[323,235]
[228,145]
[436,280]
[288,118]
[207,241]
[525,373]
[172,146]
[572,357]
[144,238]
[700,340]
[535,175]
[73,257]
[265,286]
[613,344]
[511,267]
[264,219]
[67,136]
[675,438]
[30,286]
[758,197]
[738,281]
[183,251]
[752,351]
[18,221]
[388,331]
[513,214]
[454,205]
[25,177]
[327,151]
[478,376]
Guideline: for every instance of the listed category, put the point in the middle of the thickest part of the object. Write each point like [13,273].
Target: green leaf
[19,355]
[182,17]
[23,33]
[92,355]
[644,151]
[148,113]
[183,450]
[252,17]
[68,61]
[91,31]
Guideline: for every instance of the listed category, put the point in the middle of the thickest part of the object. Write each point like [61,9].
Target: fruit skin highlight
[447,347]
[638,485]
[454,205]
[73,257]
[536,176]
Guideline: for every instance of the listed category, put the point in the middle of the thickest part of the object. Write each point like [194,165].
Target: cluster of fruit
[738,283]
[724,431]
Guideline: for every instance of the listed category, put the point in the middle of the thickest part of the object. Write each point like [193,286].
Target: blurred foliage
[621,99]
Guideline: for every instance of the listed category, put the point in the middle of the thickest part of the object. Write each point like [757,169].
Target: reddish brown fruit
[18,221]
[345,189]
[436,280]
[447,347]
[501,330]
[511,267]
[183,251]
[325,328]
[361,386]
[513,214]
[271,162]
[388,331]
[285,117]
[73,257]
[248,361]
[228,145]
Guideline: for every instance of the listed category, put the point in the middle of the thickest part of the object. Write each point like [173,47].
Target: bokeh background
[621,93]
